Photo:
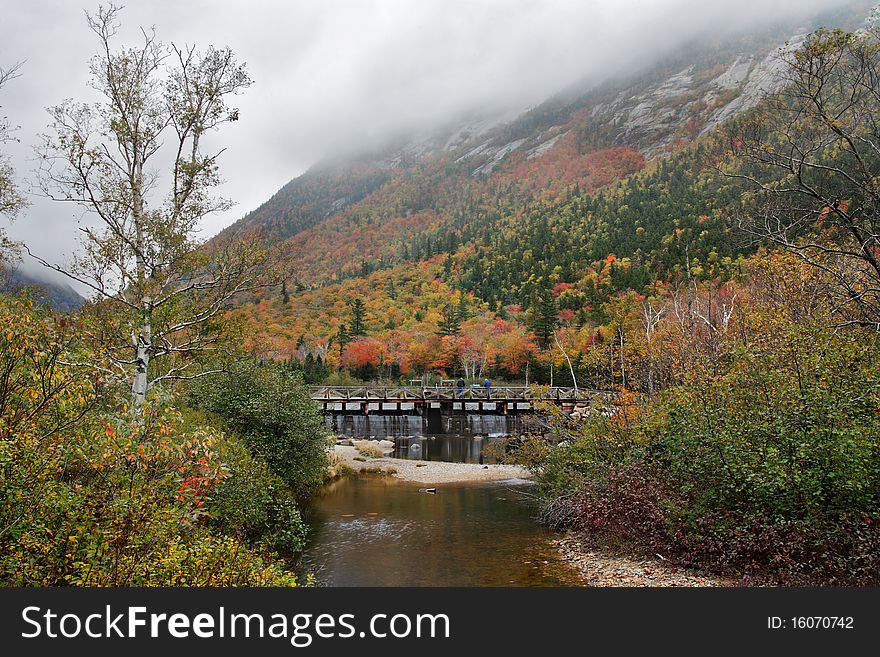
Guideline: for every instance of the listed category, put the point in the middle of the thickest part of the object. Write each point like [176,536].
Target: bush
[368,449]
[125,504]
[94,494]
[633,509]
[254,505]
[769,470]
[269,406]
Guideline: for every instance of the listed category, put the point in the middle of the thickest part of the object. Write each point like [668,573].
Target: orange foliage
[361,353]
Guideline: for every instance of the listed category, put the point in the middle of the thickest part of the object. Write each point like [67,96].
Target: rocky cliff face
[750,81]
[655,111]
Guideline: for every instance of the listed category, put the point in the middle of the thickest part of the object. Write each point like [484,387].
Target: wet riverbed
[379,531]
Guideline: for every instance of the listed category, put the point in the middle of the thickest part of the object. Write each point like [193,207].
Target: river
[380,531]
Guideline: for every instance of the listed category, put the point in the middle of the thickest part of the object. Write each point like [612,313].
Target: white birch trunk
[570,368]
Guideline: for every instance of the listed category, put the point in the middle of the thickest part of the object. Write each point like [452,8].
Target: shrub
[368,449]
[269,406]
[94,494]
[254,505]
[769,469]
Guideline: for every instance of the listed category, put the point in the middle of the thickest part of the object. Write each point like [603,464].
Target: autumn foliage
[96,495]
[757,454]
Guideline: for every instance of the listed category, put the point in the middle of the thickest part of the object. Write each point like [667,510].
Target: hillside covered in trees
[720,278]
[485,241]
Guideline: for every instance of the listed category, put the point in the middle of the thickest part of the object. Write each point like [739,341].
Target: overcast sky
[333,74]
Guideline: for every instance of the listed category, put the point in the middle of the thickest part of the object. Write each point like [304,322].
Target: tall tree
[813,156]
[162,291]
[357,326]
[11,199]
[621,313]
[450,322]
[343,337]
[545,318]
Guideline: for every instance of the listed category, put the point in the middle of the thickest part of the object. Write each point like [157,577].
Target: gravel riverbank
[602,569]
[429,472]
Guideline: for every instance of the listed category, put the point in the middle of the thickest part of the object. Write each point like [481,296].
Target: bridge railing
[365,392]
[446,392]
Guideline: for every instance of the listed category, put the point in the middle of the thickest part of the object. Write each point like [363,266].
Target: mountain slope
[58,296]
[586,196]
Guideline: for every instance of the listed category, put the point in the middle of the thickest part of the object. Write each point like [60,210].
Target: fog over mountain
[334,76]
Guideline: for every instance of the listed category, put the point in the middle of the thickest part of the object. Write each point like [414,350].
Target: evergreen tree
[462,311]
[343,337]
[447,267]
[450,324]
[545,318]
[358,328]
[321,369]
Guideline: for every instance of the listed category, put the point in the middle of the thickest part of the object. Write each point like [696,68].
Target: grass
[368,449]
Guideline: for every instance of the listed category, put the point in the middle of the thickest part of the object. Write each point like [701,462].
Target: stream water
[380,531]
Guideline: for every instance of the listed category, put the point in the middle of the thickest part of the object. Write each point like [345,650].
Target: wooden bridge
[412,399]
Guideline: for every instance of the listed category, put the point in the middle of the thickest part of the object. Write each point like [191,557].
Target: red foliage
[559,288]
[361,353]
[563,165]
[630,506]
[500,327]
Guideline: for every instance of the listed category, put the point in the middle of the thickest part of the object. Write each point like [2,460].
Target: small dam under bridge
[409,411]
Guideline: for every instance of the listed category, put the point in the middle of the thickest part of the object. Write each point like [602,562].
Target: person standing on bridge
[460,385]
[488,385]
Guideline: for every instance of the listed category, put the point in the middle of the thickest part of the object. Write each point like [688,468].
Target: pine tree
[343,337]
[358,328]
[545,318]
[462,310]
[309,368]
[450,324]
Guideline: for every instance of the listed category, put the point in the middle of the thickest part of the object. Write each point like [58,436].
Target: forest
[726,295]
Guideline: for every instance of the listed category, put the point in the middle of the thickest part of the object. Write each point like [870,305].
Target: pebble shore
[429,472]
[595,568]
[603,569]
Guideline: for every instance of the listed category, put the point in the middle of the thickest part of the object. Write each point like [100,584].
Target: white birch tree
[136,162]
[11,199]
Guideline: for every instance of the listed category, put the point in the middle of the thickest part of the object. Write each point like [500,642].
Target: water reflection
[459,438]
[452,449]
[378,531]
